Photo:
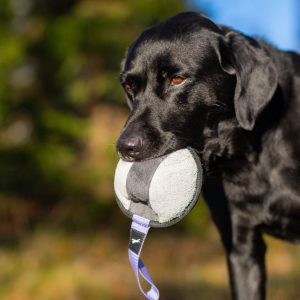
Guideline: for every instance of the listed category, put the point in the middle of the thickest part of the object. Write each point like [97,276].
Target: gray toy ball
[162,190]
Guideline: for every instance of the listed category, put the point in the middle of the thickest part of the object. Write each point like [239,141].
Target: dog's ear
[256,76]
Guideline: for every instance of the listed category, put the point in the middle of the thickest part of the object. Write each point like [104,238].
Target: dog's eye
[176,80]
[127,87]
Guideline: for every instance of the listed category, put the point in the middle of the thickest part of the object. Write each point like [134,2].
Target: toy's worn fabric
[162,190]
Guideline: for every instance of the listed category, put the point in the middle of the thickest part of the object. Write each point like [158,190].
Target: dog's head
[190,82]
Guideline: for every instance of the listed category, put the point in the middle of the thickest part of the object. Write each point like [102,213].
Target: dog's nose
[130,147]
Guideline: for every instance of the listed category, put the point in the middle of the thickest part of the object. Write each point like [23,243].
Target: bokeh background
[61,110]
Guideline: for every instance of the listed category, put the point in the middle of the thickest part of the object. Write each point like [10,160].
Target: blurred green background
[61,110]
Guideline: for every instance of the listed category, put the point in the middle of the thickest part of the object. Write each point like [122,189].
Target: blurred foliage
[59,61]
[61,110]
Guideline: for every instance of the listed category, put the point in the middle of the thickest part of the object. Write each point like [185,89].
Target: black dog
[236,100]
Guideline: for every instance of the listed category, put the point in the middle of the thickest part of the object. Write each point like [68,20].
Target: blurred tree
[58,60]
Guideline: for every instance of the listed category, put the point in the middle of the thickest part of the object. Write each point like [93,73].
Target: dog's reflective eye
[176,80]
[127,87]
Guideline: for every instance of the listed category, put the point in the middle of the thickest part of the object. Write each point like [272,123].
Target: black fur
[239,107]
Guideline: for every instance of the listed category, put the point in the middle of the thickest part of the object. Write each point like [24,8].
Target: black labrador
[236,100]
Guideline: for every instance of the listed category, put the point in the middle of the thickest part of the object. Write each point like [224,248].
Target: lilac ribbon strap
[138,233]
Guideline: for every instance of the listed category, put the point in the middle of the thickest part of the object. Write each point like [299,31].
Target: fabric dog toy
[157,192]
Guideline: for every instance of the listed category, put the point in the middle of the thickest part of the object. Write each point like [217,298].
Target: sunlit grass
[51,264]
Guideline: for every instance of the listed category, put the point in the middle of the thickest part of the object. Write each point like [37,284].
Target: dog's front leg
[243,244]
[246,260]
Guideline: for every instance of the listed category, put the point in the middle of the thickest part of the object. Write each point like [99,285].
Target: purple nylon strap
[138,233]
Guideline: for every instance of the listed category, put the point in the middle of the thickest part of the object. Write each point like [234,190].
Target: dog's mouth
[145,157]
[153,154]
[128,158]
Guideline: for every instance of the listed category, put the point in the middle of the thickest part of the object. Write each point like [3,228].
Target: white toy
[157,192]
[162,190]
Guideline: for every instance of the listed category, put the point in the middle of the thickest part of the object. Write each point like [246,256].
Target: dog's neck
[226,143]
[223,144]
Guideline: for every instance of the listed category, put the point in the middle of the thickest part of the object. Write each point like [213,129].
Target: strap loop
[138,233]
